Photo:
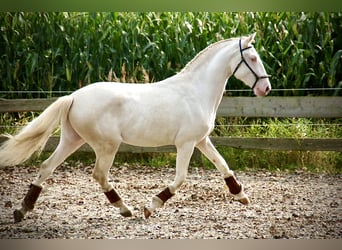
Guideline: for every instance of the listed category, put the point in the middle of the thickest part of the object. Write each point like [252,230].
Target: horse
[179,110]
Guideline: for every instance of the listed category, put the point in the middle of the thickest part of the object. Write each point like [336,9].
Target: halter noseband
[257,78]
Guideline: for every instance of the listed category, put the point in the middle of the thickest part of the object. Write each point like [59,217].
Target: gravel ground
[72,205]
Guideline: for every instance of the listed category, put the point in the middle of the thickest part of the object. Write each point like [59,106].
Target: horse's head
[249,67]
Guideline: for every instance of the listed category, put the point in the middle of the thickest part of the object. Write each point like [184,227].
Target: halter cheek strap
[257,78]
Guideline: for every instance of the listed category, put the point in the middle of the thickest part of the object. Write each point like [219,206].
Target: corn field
[49,52]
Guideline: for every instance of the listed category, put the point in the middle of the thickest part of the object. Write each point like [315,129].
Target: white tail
[33,137]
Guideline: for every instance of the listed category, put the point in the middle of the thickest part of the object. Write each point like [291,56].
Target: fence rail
[315,107]
[308,106]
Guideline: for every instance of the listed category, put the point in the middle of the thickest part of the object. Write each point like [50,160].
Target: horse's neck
[209,72]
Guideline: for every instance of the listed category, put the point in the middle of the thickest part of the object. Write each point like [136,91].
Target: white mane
[196,60]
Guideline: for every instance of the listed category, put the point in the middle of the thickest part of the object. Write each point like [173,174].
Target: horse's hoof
[126,213]
[147,213]
[244,201]
[18,215]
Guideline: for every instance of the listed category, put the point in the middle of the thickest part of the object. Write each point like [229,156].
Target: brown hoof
[244,201]
[147,213]
[18,215]
[127,214]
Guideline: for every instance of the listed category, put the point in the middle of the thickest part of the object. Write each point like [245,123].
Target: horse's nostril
[267,90]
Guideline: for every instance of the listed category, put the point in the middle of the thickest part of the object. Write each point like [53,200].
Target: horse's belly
[163,132]
[148,137]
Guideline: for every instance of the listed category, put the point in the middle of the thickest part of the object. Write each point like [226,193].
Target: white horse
[179,111]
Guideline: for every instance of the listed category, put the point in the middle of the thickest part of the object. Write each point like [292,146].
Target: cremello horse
[179,111]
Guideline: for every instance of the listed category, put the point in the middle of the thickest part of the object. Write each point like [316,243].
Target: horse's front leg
[235,187]
[184,153]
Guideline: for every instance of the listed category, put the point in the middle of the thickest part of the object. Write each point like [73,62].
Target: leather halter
[257,78]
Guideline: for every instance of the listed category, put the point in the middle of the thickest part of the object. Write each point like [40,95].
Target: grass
[314,161]
[279,127]
[308,161]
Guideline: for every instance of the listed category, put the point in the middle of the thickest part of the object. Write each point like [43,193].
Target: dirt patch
[72,205]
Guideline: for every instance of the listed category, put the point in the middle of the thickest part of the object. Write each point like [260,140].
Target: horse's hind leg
[69,143]
[235,187]
[105,154]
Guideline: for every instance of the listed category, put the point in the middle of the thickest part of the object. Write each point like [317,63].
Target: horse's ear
[249,40]
[252,37]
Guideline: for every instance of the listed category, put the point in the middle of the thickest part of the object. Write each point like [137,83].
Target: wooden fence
[314,107]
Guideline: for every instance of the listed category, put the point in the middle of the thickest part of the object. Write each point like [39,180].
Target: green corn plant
[63,51]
